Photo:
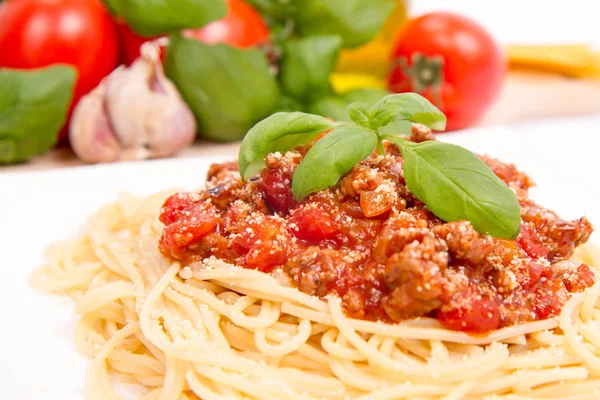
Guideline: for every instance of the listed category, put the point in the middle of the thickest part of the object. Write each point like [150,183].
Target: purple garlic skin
[94,140]
[134,114]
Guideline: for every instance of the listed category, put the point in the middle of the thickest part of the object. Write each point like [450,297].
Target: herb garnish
[33,108]
[452,182]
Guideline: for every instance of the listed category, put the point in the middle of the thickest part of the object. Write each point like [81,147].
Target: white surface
[38,358]
[527,21]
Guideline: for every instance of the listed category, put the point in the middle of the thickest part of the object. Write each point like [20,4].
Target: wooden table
[525,96]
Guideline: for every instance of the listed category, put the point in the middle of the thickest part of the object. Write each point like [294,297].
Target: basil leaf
[307,64]
[332,157]
[228,89]
[365,95]
[110,6]
[33,108]
[356,21]
[360,113]
[281,9]
[397,128]
[456,185]
[279,132]
[335,106]
[289,104]
[407,106]
[156,17]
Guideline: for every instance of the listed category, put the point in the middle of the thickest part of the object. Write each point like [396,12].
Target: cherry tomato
[242,27]
[37,33]
[453,62]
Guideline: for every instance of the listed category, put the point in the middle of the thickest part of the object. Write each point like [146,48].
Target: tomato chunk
[277,191]
[580,279]
[313,224]
[535,272]
[265,256]
[530,243]
[192,225]
[260,244]
[470,312]
[176,205]
[550,295]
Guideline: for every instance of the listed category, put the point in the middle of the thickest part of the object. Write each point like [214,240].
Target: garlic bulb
[135,113]
[91,134]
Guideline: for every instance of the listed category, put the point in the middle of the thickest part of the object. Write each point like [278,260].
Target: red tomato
[530,243]
[242,27]
[313,224]
[277,191]
[453,62]
[37,33]
[471,312]
[130,43]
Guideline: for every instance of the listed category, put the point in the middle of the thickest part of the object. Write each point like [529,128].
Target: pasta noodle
[215,331]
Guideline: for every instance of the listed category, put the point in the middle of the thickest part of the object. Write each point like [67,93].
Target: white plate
[38,359]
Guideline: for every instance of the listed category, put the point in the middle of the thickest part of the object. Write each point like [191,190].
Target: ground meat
[509,174]
[220,170]
[420,133]
[557,236]
[369,241]
[397,232]
[224,186]
[415,279]
[316,270]
[575,280]
[464,242]
[373,173]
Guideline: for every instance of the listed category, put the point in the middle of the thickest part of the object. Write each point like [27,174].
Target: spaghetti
[211,330]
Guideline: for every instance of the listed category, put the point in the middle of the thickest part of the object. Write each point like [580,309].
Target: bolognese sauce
[376,246]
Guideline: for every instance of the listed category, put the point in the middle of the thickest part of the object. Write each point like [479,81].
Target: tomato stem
[424,72]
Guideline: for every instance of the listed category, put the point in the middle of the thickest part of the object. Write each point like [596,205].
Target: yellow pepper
[373,58]
[343,82]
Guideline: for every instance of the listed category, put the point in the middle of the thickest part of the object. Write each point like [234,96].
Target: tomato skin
[314,225]
[242,27]
[473,313]
[277,191]
[473,65]
[37,33]
[131,43]
[530,243]
[190,227]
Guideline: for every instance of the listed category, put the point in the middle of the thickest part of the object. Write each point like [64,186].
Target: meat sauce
[372,243]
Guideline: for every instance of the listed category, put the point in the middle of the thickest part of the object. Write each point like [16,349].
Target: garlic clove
[147,111]
[170,130]
[91,134]
[136,113]
[126,102]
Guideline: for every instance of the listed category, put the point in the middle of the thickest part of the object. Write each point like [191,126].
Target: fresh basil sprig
[228,89]
[356,21]
[281,131]
[336,105]
[331,158]
[33,108]
[456,185]
[407,107]
[452,182]
[307,64]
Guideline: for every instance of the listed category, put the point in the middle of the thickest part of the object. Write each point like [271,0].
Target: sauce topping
[371,242]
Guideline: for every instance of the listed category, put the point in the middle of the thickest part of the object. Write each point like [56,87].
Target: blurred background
[196,75]
[527,22]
